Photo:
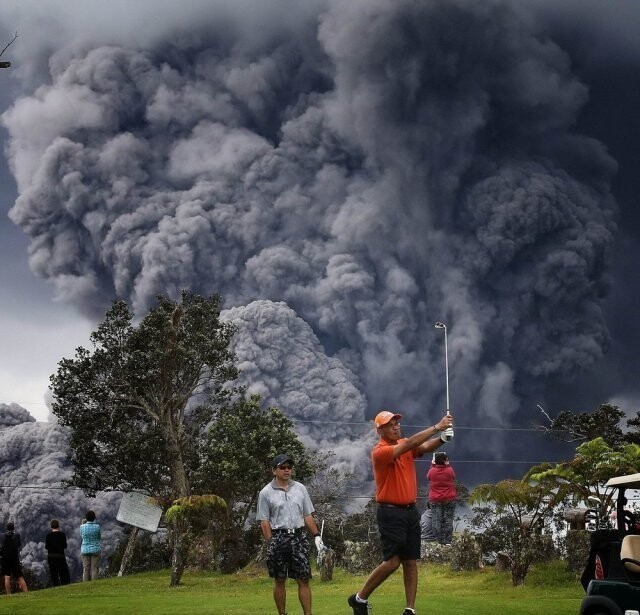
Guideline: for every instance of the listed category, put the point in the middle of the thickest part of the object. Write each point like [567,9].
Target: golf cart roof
[630,481]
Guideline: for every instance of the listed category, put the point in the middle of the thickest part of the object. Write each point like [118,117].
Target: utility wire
[368,423]
[457,427]
[338,497]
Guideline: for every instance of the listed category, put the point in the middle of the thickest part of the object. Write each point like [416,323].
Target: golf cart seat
[630,553]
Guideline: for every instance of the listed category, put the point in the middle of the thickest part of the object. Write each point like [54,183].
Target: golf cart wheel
[599,605]
[600,610]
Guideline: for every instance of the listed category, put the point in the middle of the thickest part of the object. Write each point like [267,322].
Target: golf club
[441,325]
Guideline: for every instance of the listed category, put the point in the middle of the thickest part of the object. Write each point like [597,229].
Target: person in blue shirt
[90,547]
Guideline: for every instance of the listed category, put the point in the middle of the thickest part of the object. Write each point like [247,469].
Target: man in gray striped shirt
[285,513]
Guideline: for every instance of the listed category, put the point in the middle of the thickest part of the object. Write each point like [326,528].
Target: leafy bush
[505,533]
[465,552]
[434,552]
[578,543]
[361,556]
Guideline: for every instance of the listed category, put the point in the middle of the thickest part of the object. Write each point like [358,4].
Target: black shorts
[288,556]
[400,532]
[11,568]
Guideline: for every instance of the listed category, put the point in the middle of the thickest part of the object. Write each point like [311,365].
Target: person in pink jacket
[442,497]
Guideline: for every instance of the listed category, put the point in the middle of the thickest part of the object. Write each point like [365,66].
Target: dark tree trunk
[178,552]
[181,489]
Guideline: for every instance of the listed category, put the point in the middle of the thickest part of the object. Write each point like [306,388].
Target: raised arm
[424,440]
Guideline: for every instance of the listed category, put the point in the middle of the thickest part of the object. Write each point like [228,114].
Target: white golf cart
[612,575]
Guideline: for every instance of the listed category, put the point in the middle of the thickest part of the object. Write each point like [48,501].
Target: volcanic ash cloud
[375,166]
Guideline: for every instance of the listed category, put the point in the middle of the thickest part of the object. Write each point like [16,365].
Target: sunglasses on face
[285,467]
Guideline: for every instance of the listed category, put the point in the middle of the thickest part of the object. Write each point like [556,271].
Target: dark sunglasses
[285,467]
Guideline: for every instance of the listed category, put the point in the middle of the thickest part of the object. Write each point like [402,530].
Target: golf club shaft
[446,367]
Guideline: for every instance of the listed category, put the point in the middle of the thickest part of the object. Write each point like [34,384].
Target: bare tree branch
[568,426]
[15,36]
[7,64]
[565,435]
[545,413]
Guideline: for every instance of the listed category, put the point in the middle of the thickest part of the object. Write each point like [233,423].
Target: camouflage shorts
[288,556]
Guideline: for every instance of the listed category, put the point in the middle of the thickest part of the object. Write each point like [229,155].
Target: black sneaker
[359,608]
[408,612]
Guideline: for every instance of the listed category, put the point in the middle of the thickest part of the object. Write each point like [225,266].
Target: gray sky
[366,170]
[35,330]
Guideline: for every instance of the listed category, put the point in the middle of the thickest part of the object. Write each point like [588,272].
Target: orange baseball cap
[382,418]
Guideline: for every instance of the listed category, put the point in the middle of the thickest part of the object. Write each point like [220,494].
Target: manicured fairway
[549,591]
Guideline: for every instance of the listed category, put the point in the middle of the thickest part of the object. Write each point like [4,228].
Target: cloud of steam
[33,464]
[369,168]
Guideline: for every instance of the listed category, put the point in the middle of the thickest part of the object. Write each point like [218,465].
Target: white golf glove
[319,544]
[447,434]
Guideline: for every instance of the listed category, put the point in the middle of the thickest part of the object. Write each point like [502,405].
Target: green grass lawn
[549,591]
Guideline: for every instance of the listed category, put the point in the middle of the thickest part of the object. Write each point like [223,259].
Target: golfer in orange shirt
[396,493]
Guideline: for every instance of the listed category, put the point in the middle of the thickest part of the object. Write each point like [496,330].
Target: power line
[325,422]
[339,497]
[367,423]
[457,461]
[457,427]
[45,487]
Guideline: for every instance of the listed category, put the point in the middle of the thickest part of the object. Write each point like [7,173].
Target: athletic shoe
[408,612]
[359,608]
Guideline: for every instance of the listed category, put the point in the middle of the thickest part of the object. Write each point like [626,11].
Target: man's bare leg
[379,575]
[280,595]
[410,576]
[304,595]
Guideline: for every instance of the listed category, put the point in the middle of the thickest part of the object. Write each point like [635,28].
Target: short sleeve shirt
[90,533]
[284,509]
[396,481]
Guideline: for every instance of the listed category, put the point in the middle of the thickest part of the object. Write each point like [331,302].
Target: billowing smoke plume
[281,359]
[33,465]
[370,167]
[13,414]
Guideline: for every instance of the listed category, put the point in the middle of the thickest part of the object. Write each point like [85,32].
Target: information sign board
[140,510]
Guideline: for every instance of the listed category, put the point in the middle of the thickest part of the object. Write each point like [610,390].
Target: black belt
[283,530]
[403,506]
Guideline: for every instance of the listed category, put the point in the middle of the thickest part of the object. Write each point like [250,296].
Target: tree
[578,427]
[127,401]
[235,461]
[595,462]
[633,435]
[7,64]
[525,508]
